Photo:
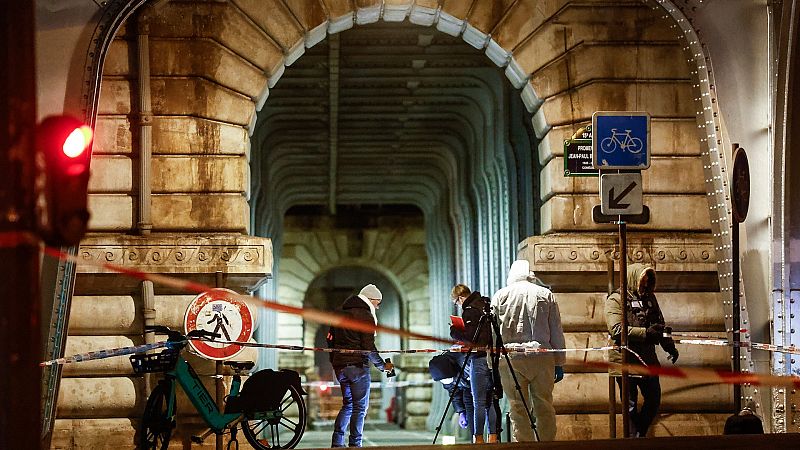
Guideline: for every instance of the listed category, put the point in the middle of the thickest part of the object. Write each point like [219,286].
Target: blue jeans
[354,382]
[480,381]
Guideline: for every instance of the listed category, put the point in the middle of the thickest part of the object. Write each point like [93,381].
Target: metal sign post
[740,194]
[621,143]
[623,293]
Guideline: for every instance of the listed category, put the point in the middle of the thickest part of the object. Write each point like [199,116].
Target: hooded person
[446,369]
[528,315]
[646,328]
[352,369]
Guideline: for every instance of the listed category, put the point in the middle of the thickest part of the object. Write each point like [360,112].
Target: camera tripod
[497,387]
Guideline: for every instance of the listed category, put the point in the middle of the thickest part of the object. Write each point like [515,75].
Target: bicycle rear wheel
[281,428]
[157,423]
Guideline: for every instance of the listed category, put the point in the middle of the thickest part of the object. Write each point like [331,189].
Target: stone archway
[309,253]
[202,110]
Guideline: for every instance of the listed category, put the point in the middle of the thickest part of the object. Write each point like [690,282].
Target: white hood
[520,271]
[371,309]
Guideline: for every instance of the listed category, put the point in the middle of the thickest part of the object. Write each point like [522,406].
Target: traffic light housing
[63,146]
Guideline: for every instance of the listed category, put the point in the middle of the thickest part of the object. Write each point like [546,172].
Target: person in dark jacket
[646,328]
[445,369]
[352,369]
[473,306]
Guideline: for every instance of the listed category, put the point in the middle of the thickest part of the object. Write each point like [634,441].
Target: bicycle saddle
[240,365]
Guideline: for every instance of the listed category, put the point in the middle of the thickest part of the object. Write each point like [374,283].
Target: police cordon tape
[10,239]
[511,348]
[102,354]
[375,384]
[310,314]
[121,351]
[717,376]
[328,318]
[706,375]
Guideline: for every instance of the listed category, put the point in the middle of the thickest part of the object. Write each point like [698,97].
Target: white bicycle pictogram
[621,140]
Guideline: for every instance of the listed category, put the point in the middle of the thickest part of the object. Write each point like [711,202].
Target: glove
[559,375]
[669,346]
[462,419]
[673,355]
[654,333]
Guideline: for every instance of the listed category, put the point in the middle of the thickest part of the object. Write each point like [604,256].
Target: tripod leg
[521,396]
[452,393]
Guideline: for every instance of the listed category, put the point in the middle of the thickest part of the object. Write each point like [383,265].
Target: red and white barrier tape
[511,348]
[310,314]
[389,383]
[327,318]
[102,354]
[17,239]
[706,375]
[699,336]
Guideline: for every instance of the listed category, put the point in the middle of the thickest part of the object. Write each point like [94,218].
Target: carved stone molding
[244,261]
[591,252]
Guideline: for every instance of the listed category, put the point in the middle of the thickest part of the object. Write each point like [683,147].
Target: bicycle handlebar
[158,329]
[161,329]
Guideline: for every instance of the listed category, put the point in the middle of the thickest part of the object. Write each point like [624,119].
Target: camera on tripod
[390,373]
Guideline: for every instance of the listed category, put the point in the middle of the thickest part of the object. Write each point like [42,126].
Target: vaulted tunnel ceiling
[397,114]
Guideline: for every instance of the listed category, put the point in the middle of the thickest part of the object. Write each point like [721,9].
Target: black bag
[743,424]
[264,391]
[443,366]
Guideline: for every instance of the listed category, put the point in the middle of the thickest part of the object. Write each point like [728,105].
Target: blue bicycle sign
[620,140]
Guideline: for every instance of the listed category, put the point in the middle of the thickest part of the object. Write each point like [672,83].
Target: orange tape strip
[17,239]
[310,314]
[706,375]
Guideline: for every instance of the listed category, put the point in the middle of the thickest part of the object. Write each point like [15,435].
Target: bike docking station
[620,151]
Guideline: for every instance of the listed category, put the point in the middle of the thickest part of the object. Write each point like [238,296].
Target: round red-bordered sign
[219,312]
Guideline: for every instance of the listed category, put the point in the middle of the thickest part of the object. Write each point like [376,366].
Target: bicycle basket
[156,362]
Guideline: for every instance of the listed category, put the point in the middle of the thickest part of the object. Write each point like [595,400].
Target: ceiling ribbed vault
[397,114]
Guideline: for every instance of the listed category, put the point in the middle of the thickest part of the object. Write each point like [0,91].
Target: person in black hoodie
[473,306]
[445,368]
[352,369]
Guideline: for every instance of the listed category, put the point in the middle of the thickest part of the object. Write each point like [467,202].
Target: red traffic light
[64,147]
[78,141]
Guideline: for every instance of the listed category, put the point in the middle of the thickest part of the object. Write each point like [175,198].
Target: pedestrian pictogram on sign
[219,311]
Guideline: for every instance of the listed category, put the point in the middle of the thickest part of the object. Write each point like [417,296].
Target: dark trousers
[640,420]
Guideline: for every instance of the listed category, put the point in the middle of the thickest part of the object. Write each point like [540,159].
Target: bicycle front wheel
[280,428]
[157,423]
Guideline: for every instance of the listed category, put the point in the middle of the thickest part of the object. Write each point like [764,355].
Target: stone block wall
[211,64]
[199,182]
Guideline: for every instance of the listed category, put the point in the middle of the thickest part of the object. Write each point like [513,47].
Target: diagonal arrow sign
[614,201]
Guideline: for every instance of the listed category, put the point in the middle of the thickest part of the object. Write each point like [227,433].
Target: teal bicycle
[269,407]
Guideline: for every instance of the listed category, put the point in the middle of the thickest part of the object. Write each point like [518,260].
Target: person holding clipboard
[465,329]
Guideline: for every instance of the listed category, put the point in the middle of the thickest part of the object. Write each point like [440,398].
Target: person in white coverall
[528,314]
